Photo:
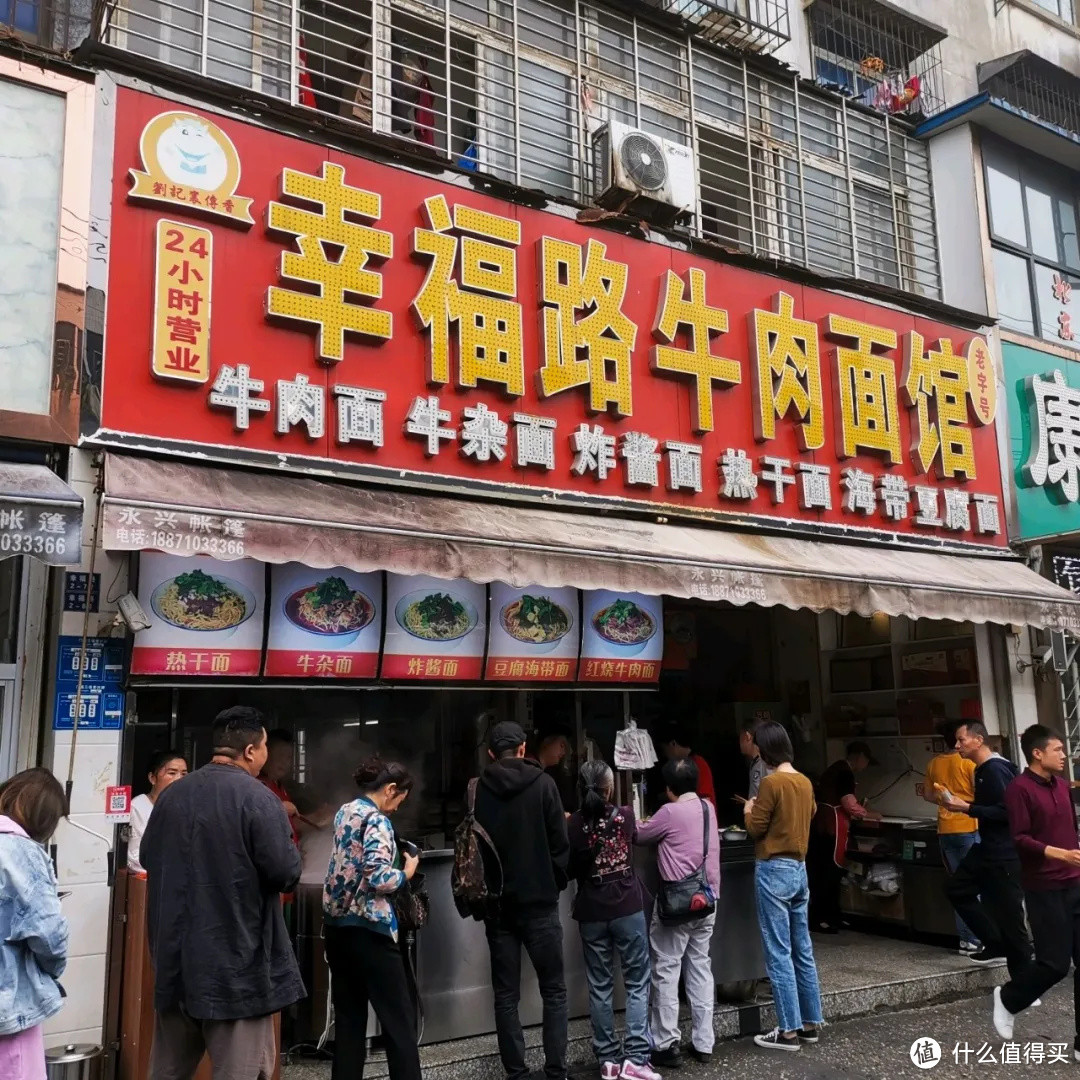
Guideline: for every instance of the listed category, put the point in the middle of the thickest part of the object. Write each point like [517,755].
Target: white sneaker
[1035,1004]
[1003,1019]
[609,1071]
[630,1071]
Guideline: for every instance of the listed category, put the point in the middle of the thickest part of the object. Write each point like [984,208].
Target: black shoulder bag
[690,897]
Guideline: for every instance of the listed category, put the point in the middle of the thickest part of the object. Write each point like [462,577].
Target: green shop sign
[1044,433]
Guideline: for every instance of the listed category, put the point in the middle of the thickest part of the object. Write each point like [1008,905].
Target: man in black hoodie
[986,890]
[519,807]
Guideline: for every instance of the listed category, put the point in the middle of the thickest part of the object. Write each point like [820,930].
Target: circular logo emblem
[925,1053]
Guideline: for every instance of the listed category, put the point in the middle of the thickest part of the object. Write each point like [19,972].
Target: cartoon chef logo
[189,161]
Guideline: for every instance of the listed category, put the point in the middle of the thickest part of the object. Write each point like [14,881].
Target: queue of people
[220,854]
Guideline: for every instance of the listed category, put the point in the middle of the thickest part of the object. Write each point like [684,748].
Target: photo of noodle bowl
[536,620]
[199,601]
[330,608]
[624,623]
[435,616]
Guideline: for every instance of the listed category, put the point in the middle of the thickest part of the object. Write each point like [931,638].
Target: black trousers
[541,935]
[367,966]
[1055,925]
[988,896]
[825,878]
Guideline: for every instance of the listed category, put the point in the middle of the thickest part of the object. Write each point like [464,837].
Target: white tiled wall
[82,859]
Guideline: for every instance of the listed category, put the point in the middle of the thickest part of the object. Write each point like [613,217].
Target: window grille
[1036,87]
[519,88]
[878,54]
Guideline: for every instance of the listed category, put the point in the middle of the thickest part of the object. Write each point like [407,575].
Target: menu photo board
[622,637]
[206,616]
[435,629]
[533,634]
[324,623]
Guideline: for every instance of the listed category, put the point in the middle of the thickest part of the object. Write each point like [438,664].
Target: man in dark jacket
[985,890]
[519,807]
[218,853]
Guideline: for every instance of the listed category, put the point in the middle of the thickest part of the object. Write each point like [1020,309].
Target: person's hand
[290,808]
[1071,857]
[411,863]
[951,802]
[748,806]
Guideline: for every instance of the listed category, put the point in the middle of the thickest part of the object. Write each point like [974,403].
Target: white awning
[237,513]
[40,515]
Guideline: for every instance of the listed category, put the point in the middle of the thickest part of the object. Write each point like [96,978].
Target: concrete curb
[477,1059]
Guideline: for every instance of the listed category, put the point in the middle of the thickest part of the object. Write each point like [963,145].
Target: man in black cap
[518,805]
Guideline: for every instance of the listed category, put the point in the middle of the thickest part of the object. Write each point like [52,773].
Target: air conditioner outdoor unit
[641,174]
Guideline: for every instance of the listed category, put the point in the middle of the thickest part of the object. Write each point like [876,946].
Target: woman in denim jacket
[33,932]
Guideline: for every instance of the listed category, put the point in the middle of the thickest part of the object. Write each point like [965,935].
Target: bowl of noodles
[204,602]
[536,621]
[330,608]
[433,615]
[625,624]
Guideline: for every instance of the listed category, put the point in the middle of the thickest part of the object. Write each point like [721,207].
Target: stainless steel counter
[453,967]
[454,971]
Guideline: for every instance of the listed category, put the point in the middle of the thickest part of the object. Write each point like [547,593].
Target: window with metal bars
[1033,210]
[519,89]
[56,25]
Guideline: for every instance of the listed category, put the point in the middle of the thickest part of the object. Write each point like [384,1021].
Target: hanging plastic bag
[634,750]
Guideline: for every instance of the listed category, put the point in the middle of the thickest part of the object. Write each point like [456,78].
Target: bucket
[75,1061]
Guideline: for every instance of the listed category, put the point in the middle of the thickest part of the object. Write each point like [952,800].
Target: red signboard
[386,323]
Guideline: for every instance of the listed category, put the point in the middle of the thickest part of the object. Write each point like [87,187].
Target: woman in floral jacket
[361,928]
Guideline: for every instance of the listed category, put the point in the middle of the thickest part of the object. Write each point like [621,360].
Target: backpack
[474,896]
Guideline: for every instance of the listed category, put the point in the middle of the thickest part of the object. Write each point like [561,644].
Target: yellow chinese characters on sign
[182,292]
[935,387]
[331,309]
[483,305]
[787,373]
[866,389]
[701,323]
[581,349]
[982,381]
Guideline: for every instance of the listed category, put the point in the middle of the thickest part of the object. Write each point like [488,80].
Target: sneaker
[669,1058]
[630,1071]
[809,1035]
[609,1070]
[985,958]
[773,1040]
[967,948]
[1035,1004]
[1076,1049]
[1003,1019]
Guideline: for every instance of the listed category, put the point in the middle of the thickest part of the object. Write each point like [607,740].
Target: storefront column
[81,859]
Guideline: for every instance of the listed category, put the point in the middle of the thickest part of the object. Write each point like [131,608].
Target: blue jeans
[629,938]
[783,898]
[954,846]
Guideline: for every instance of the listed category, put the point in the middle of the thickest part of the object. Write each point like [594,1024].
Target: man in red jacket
[1043,825]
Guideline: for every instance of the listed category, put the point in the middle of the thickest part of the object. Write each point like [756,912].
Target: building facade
[681,301]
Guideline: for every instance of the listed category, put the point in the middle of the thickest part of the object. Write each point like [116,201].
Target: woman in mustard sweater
[779,821]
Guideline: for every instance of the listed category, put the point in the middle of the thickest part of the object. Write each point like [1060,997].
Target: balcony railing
[754,25]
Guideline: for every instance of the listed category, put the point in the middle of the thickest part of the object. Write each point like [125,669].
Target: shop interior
[829,678]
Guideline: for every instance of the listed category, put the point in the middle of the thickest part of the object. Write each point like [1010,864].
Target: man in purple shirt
[1043,825]
[681,829]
